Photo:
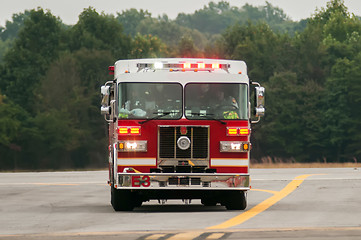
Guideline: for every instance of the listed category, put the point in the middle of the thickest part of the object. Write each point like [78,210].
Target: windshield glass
[216,100]
[150,100]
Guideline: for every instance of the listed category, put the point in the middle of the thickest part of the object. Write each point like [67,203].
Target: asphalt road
[283,204]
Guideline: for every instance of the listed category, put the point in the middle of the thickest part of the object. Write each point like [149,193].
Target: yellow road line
[263,205]
[155,236]
[263,190]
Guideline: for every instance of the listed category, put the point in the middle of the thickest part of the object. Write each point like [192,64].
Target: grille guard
[169,152]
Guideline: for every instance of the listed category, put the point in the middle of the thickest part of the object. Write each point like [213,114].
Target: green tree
[282,130]
[260,47]
[9,125]
[293,126]
[217,17]
[13,27]
[10,32]
[99,32]
[213,18]
[187,49]
[130,19]
[338,109]
[147,46]
[311,59]
[4,47]
[170,32]
[353,148]
[325,14]
[39,43]
[342,114]
[14,132]
[70,102]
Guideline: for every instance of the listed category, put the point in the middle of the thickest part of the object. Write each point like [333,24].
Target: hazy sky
[69,10]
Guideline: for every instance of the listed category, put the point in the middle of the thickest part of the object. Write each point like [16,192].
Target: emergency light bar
[183,66]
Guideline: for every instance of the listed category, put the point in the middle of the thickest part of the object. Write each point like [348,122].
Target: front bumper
[183,181]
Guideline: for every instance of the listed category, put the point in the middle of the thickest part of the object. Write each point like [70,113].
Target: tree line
[50,74]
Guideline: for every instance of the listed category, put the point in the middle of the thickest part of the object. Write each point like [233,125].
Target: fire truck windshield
[216,100]
[150,100]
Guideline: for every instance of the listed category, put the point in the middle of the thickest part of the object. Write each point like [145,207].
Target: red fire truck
[180,129]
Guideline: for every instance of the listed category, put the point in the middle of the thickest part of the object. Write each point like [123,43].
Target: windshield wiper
[208,116]
[156,117]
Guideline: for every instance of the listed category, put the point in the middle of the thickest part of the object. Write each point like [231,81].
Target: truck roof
[182,77]
[178,64]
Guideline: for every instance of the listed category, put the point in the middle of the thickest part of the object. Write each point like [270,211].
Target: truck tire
[235,200]
[122,200]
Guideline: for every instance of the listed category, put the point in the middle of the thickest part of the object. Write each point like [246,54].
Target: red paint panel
[232,169]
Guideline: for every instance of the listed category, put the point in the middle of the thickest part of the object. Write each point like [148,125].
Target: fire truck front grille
[199,142]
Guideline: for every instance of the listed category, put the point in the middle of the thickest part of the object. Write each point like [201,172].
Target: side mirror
[105,110]
[105,90]
[108,102]
[259,109]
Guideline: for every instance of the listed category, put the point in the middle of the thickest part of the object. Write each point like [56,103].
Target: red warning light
[111,70]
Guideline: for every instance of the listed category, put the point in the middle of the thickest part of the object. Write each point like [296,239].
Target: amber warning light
[237,131]
[129,130]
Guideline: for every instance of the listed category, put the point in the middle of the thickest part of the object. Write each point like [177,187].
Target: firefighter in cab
[226,106]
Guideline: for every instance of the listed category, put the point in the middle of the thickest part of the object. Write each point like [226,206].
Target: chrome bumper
[183,181]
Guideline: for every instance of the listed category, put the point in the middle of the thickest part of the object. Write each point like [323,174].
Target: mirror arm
[256,83]
[256,121]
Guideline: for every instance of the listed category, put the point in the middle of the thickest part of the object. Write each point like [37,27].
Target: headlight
[132,146]
[233,146]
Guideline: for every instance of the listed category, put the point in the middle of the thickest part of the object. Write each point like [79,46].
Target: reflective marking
[136,161]
[215,236]
[263,205]
[146,233]
[229,162]
[185,236]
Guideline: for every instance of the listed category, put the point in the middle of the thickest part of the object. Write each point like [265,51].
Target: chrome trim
[227,144]
[142,143]
[177,181]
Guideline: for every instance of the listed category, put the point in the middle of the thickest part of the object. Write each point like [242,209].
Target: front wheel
[122,200]
[235,200]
